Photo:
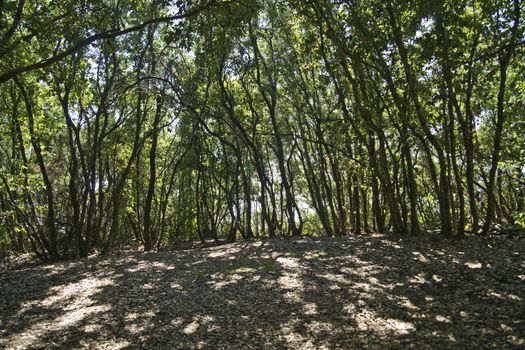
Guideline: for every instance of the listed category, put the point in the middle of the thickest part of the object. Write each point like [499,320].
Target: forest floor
[355,292]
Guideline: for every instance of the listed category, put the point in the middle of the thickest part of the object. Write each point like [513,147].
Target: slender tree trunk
[51,220]
[148,234]
[504,61]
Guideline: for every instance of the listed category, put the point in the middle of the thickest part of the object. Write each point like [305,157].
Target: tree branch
[102,36]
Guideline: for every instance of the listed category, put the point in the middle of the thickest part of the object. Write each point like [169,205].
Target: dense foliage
[143,121]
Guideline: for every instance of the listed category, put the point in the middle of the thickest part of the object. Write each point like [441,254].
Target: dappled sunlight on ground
[351,292]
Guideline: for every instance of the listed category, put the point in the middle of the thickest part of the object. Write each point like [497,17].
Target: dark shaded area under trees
[351,293]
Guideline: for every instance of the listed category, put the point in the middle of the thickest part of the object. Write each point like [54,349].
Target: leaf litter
[371,292]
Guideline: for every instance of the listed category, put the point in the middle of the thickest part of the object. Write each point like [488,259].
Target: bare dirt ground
[373,292]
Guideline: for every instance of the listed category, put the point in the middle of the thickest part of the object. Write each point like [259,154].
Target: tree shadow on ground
[355,292]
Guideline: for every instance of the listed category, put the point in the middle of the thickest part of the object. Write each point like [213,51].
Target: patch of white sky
[424,28]
[173,8]
[263,22]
